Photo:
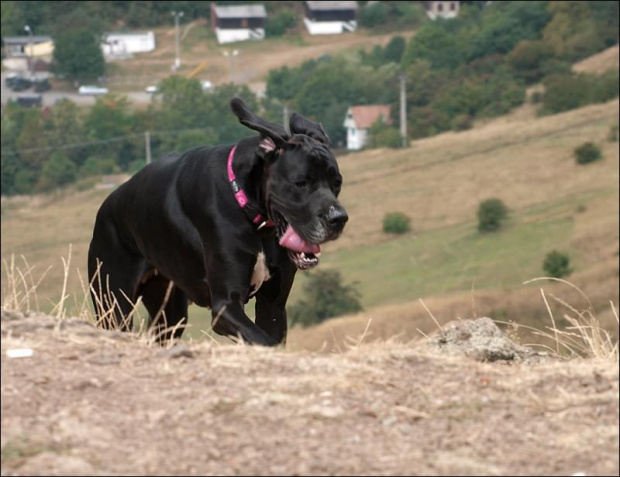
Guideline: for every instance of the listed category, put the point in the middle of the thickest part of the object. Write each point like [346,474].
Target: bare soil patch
[92,402]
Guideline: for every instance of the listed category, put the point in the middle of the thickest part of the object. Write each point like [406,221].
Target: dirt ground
[92,402]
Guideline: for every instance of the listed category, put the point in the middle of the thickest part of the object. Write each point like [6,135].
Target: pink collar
[242,199]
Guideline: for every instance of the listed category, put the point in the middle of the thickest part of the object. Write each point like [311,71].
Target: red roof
[365,116]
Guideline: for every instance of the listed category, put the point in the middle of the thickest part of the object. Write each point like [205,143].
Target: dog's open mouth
[303,254]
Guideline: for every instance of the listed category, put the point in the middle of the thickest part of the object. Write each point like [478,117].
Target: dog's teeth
[302,255]
[317,255]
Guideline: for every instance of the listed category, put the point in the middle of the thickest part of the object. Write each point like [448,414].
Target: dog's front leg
[271,301]
[229,319]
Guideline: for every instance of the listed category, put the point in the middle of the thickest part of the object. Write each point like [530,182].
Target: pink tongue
[293,241]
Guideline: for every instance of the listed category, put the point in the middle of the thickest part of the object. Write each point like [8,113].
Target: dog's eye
[302,184]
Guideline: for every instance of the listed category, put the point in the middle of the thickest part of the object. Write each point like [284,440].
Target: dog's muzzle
[305,252]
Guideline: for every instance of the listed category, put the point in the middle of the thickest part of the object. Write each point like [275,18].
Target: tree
[33,144]
[110,118]
[325,297]
[394,49]
[504,24]
[436,45]
[77,55]
[528,58]
[67,129]
[11,163]
[56,172]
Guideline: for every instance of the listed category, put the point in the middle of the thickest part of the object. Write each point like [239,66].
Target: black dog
[217,225]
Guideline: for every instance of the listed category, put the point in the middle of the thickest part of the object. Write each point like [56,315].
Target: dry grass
[20,293]
[599,63]
[578,322]
[440,180]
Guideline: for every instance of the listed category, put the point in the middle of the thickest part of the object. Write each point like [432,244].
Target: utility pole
[177,60]
[403,109]
[30,44]
[231,55]
[147,140]
[285,115]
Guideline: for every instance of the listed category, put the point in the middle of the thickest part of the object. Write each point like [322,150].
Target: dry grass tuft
[584,337]
[20,294]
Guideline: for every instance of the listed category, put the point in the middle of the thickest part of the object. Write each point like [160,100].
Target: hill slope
[438,182]
[89,402]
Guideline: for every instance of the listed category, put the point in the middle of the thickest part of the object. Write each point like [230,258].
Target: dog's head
[302,184]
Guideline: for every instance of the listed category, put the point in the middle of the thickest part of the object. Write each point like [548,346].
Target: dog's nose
[337,217]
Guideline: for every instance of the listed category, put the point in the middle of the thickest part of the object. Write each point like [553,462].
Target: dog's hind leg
[113,273]
[113,288]
[167,307]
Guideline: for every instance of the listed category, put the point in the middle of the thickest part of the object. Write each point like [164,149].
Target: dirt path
[90,402]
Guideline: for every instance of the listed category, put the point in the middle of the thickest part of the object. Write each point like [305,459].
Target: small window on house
[453,6]
[440,7]
[352,132]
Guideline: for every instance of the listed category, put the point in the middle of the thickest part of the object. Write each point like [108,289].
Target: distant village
[230,24]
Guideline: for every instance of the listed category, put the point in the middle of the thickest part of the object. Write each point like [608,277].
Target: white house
[436,10]
[119,44]
[329,18]
[232,23]
[22,46]
[358,121]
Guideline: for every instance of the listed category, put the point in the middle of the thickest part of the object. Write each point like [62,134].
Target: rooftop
[18,40]
[343,5]
[240,11]
[365,116]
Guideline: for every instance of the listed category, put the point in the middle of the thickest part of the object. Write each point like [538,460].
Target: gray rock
[480,339]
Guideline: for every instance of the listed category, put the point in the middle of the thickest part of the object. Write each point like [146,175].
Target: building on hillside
[232,23]
[122,45]
[358,121]
[436,10]
[20,46]
[329,18]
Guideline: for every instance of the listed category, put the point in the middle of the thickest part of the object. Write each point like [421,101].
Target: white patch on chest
[260,273]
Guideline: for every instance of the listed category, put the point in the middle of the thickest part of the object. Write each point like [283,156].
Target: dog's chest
[260,274]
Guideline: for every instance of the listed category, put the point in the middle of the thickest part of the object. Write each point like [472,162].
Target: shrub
[462,122]
[382,134]
[491,214]
[587,152]
[557,264]
[373,15]
[569,91]
[96,165]
[564,92]
[396,223]
[326,297]
[280,22]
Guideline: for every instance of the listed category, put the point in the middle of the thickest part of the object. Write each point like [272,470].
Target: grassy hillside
[439,182]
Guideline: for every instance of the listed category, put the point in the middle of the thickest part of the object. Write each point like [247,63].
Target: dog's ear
[301,125]
[274,135]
